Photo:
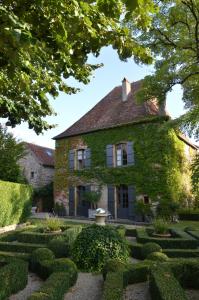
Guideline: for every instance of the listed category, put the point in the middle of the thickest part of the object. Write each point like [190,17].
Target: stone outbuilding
[38,165]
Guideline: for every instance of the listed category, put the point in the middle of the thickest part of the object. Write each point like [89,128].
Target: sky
[70,108]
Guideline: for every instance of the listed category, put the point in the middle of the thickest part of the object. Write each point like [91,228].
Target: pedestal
[100,219]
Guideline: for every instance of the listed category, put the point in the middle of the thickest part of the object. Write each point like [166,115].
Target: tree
[44,42]
[195,178]
[174,41]
[10,152]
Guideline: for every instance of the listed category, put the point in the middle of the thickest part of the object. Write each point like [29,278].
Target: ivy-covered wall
[161,168]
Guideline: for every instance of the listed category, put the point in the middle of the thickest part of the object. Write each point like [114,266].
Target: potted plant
[161,228]
[93,197]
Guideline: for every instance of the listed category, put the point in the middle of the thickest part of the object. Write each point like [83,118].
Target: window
[32,174]
[122,196]
[81,158]
[121,155]
[146,200]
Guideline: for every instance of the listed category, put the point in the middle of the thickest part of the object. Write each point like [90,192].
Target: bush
[136,250]
[72,233]
[136,273]
[160,226]
[186,253]
[121,230]
[113,265]
[39,255]
[59,247]
[149,248]
[113,286]
[36,237]
[95,244]
[65,265]
[158,256]
[52,224]
[13,277]
[131,232]
[189,214]
[19,247]
[54,287]
[15,202]
[163,284]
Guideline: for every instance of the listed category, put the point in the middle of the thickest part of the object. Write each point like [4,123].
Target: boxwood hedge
[19,247]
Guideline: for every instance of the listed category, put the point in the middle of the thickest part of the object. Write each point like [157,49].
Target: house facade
[124,150]
[37,165]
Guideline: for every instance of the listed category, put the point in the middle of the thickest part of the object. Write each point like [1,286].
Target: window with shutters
[123,196]
[121,154]
[81,158]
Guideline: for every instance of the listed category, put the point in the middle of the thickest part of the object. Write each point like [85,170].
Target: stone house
[125,150]
[38,165]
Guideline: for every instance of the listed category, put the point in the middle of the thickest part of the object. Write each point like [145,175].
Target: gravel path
[139,291]
[87,287]
[192,294]
[34,283]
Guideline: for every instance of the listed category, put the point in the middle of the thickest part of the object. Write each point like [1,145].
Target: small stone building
[38,165]
[123,149]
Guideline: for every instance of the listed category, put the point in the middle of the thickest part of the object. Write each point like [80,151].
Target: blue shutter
[87,188]
[71,201]
[72,159]
[131,197]
[130,153]
[88,158]
[109,155]
[111,200]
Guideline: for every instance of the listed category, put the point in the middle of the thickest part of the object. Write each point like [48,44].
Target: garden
[53,259]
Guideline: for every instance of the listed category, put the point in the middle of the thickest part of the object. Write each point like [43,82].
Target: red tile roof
[44,155]
[111,111]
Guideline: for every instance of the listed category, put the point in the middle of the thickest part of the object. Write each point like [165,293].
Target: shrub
[52,224]
[65,265]
[13,277]
[186,253]
[72,233]
[163,284]
[59,247]
[38,256]
[158,256]
[160,226]
[121,230]
[19,247]
[113,286]
[189,214]
[15,202]
[36,237]
[130,231]
[149,248]
[136,250]
[113,265]
[54,287]
[95,244]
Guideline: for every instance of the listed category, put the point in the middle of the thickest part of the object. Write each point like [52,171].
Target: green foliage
[60,209]
[180,240]
[195,177]
[40,255]
[181,253]
[160,226]
[13,277]
[72,233]
[95,244]
[143,209]
[136,273]
[15,204]
[158,256]
[149,248]
[10,152]
[37,237]
[136,250]
[163,284]
[93,197]
[113,286]
[189,214]
[46,194]
[121,229]
[42,45]
[59,246]
[19,247]
[65,265]
[173,40]
[52,224]
[113,265]
[54,287]
[167,209]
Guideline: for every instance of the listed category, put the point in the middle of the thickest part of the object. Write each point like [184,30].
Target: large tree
[43,42]
[174,41]
[10,152]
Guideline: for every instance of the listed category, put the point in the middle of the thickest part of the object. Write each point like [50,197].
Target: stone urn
[100,216]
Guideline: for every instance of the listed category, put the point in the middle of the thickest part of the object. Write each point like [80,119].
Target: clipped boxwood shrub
[121,229]
[19,247]
[113,286]
[158,256]
[149,248]
[15,202]
[136,273]
[136,250]
[113,265]
[13,277]
[39,255]
[65,265]
[37,237]
[60,247]
[95,244]
[185,253]
[54,287]
[72,233]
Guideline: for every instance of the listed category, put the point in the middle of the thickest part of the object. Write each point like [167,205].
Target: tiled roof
[44,155]
[111,111]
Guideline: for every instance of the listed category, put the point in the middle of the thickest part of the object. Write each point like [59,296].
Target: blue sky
[70,108]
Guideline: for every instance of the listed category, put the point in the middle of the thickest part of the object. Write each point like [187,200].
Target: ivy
[160,171]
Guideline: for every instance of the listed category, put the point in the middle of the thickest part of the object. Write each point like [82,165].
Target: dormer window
[81,158]
[121,155]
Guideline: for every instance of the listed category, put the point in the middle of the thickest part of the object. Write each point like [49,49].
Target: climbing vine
[160,170]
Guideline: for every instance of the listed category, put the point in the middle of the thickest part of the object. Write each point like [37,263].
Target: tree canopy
[10,153]
[44,42]
[174,41]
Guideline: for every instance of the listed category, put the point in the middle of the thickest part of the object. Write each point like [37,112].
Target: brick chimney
[126,89]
